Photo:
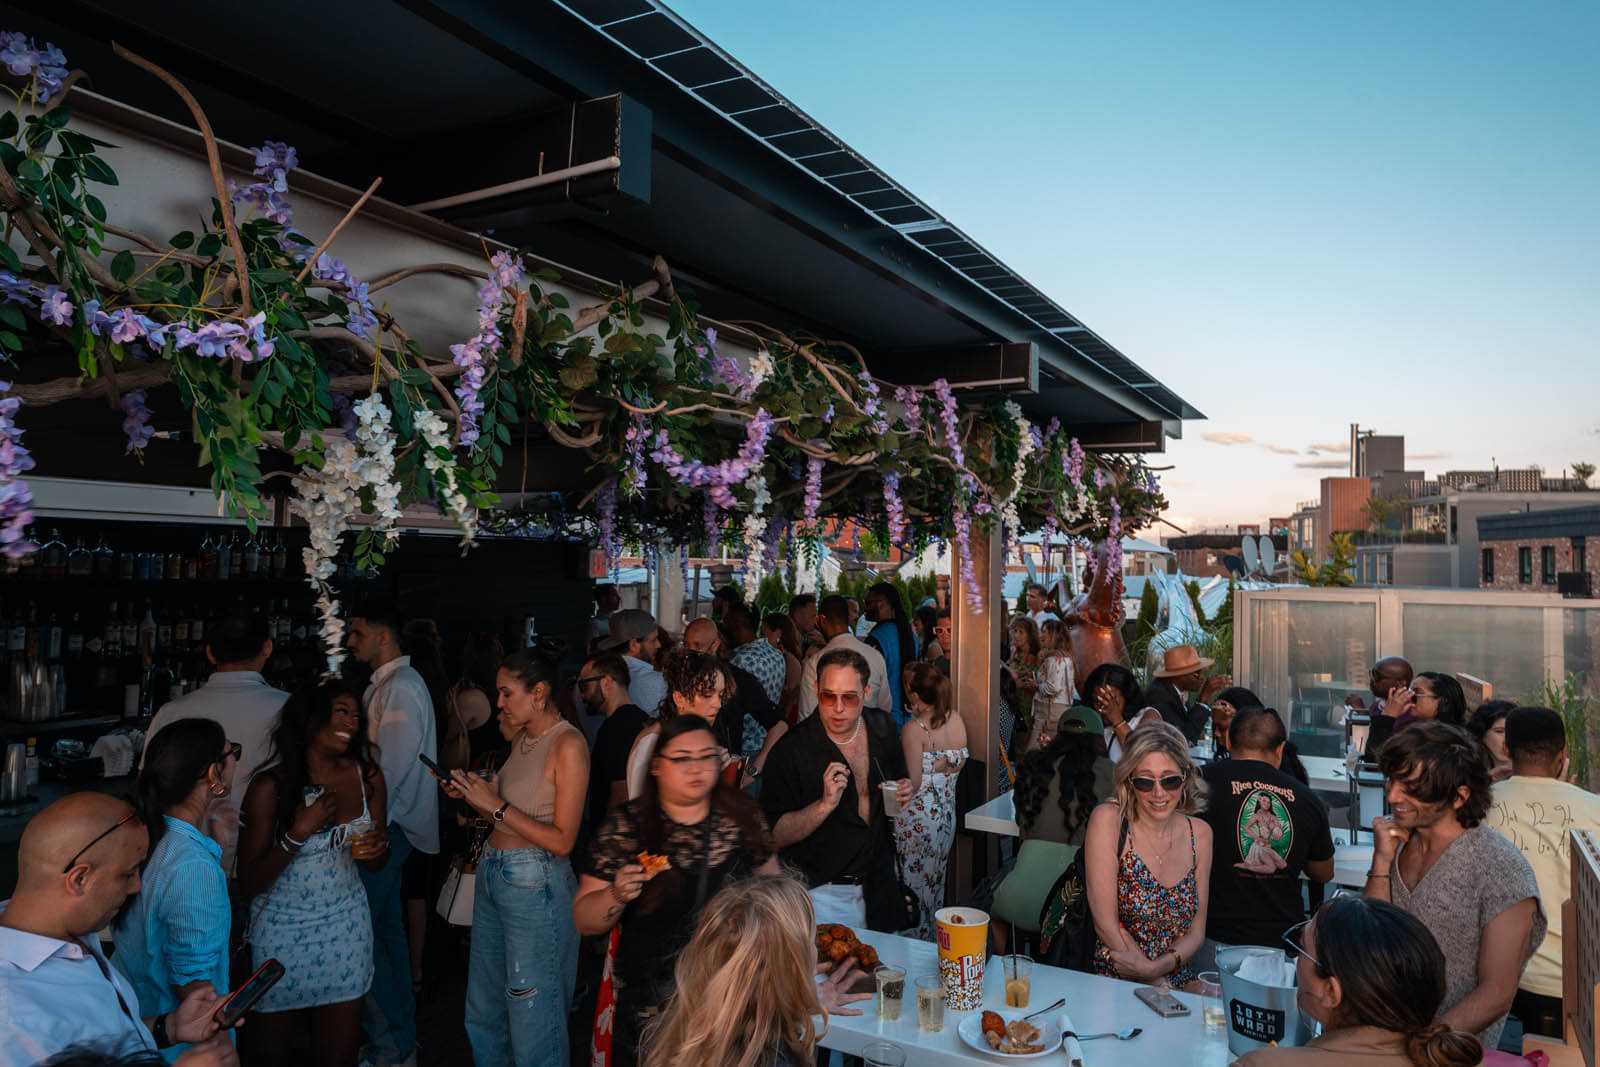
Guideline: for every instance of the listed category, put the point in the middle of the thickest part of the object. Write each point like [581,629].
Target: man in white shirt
[634,634]
[833,619]
[606,601]
[400,722]
[239,698]
[1038,604]
[1537,811]
[77,863]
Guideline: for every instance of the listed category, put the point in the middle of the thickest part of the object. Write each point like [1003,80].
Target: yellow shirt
[1536,815]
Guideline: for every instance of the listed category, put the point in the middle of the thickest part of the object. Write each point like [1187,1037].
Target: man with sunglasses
[1435,857]
[78,862]
[824,797]
[1267,829]
[603,688]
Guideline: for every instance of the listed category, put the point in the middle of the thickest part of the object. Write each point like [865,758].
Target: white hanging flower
[755,528]
[761,369]
[1009,515]
[440,464]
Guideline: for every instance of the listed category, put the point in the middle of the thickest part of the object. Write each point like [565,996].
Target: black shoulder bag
[908,906]
[1066,928]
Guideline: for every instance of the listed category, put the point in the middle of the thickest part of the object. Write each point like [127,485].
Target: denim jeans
[524,960]
[390,1011]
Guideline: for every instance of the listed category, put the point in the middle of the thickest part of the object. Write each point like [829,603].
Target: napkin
[1268,969]
[1070,1045]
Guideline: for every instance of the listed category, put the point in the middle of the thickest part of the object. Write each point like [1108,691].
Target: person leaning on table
[1373,976]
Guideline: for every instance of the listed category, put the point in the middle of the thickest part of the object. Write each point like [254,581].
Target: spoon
[1121,1035]
[1058,1004]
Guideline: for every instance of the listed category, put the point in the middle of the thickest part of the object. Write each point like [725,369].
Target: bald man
[749,698]
[78,862]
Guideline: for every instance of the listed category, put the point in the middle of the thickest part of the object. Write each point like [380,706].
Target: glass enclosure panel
[1502,645]
[1306,657]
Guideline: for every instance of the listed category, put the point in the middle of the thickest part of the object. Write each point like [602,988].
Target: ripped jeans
[524,960]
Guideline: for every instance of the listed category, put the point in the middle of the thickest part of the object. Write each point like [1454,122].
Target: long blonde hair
[1164,739]
[745,985]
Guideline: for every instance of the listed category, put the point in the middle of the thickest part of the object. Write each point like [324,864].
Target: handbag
[455,897]
[1066,927]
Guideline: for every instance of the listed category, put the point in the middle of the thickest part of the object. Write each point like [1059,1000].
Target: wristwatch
[158,1030]
[500,812]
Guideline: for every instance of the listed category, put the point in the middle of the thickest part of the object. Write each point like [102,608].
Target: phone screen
[1162,1002]
[244,998]
[432,766]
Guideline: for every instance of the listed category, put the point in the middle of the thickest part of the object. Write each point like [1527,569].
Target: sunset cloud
[1426,455]
[1325,447]
[1279,449]
[1323,464]
[1228,437]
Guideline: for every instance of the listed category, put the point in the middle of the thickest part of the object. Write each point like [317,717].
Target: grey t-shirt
[1480,875]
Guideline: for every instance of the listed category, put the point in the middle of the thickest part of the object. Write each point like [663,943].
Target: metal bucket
[1258,1015]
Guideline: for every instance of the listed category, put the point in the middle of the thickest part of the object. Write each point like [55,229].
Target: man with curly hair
[1435,857]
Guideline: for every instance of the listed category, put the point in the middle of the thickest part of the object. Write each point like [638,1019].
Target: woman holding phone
[174,935]
[316,809]
[708,833]
[524,949]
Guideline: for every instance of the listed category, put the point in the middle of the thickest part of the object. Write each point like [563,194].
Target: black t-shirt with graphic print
[1265,827]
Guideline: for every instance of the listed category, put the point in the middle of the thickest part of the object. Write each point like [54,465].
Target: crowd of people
[653,839]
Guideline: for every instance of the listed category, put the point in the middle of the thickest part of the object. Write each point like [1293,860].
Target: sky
[1297,216]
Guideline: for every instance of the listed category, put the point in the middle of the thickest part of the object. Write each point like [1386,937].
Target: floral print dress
[925,831]
[1154,915]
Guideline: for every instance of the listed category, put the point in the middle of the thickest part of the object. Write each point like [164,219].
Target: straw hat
[1176,662]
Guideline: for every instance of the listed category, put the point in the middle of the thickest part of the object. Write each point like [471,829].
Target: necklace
[526,746]
[1161,857]
[849,739]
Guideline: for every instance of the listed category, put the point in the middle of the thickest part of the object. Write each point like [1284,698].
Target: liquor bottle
[125,564]
[191,567]
[130,633]
[32,762]
[80,561]
[75,640]
[105,560]
[147,634]
[53,557]
[235,558]
[280,557]
[32,638]
[224,556]
[164,633]
[252,559]
[174,566]
[210,557]
[17,636]
[197,631]
[111,639]
[180,633]
[53,639]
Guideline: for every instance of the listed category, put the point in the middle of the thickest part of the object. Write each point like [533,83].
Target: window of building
[1580,555]
[1525,565]
[1547,564]
[1488,566]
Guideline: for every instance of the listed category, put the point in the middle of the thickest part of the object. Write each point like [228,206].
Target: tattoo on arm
[612,912]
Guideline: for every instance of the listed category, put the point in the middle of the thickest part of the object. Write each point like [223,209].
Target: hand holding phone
[433,768]
[230,1011]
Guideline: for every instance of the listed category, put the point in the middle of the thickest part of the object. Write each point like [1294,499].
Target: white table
[1094,1005]
[1327,774]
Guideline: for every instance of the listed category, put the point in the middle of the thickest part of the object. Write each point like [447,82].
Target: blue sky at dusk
[1297,216]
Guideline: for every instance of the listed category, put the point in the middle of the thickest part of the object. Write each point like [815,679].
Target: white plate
[971,1031]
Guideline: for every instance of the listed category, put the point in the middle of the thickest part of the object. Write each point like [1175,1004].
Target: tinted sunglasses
[234,749]
[1171,783]
[1293,937]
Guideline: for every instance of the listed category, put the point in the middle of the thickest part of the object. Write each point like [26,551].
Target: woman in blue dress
[174,936]
[318,805]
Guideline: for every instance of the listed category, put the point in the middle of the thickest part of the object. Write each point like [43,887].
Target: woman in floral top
[935,746]
[710,835]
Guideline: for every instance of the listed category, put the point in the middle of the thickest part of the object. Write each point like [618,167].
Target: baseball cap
[1080,719]
[627,625]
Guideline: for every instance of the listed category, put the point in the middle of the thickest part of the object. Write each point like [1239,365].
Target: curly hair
[1167,740]
[1432,761]
[304,713]
[1069,759]
[693,674]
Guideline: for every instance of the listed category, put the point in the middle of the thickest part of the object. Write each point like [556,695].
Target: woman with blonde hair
[745,991]
[1149,862]
[935,745]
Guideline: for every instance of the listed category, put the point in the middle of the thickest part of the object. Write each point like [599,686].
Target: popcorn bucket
[963,947]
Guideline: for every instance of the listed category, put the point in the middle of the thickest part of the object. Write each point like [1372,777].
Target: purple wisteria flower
[274,161]
[1072,463]
[47,66]
[55,308]
[363,317]
[712,517]
[136,420]
[872,403]
[605,506]
[719,478]
[125,327]
[634,441]
[894,506]
[1114,540]
[494,299]
[222,339]
[913,404]
[813,497]
[16,499]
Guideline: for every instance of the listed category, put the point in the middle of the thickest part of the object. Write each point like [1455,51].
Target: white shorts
[835,903]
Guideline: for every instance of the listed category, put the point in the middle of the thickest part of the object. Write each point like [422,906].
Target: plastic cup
[1018,971]
[963,935]
[930,1003]
[1209,990]
[891,992]
[891,799]
[883,1054]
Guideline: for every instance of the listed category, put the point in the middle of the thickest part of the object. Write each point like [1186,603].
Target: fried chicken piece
[838,950]
[993,1024]
[868,958]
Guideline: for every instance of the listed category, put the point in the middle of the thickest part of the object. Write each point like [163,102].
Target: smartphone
[241,1000]
[433,767]
[1162,1002]
[311,793]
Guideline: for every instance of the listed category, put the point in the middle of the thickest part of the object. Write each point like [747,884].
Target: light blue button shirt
[645,685]
[54,994]
[176,930]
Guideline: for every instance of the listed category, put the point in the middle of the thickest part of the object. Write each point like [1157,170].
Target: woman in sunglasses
[1149,863]
[1373,976]
[174,936]
[709,833]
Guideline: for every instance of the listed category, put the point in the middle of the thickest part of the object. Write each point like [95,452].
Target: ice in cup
[963,937]
[930,1003]
[891,992]
[891,799]
[1019,980]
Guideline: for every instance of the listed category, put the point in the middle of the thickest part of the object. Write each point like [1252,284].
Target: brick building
[1200,555]
[1541,551]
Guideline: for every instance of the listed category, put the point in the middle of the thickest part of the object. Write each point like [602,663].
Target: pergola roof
[757,207]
